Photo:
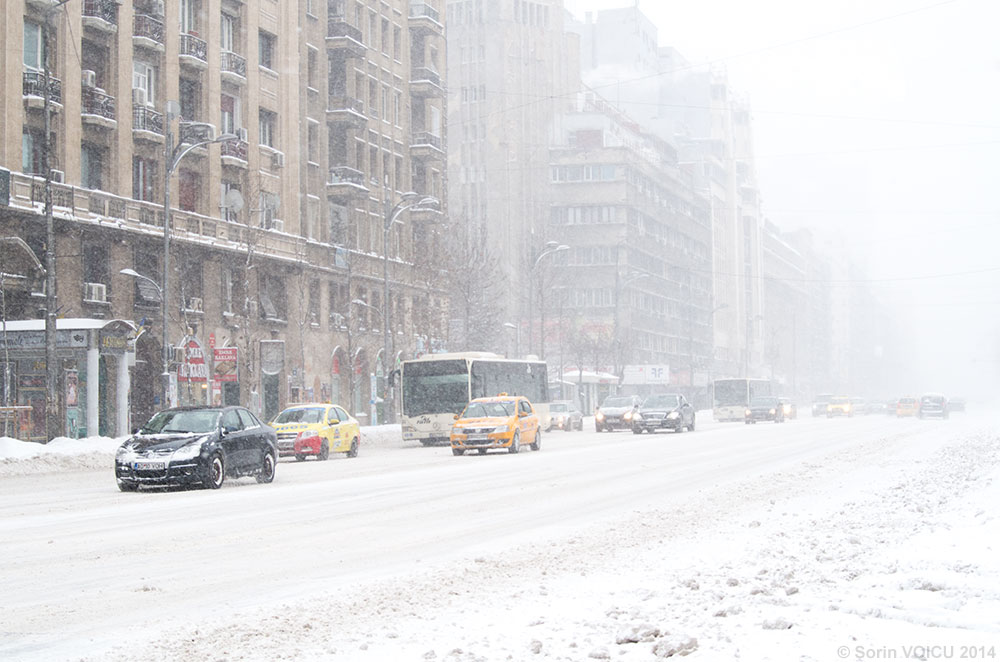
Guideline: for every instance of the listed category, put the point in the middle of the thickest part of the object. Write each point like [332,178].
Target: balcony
[147,32]
[233,68]
[425,82]
[101,15]
[345,180]
[341,35]
[426,145]
[147,124]
[33,89]
[424,19]
[97,108]
[346,109]
[234,153]
[193,51]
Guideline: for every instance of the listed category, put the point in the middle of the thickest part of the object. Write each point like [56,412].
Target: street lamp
[409,200]
[172,155]
[550,248]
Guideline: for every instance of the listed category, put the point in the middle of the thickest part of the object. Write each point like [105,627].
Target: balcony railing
[345,103]
[145,118]
[106,10]
[346,175]
[97,102]
[194,47]
[235,148]
[337,26]
[34,86]
[426,138]
[424,10]
[234,64]
[148,27]
[425,73]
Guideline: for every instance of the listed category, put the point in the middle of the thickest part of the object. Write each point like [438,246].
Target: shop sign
[194,368]
[36,339]
[272,356]
[226,365]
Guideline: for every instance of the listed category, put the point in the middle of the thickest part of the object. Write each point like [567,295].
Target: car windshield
[487,409]
[558,407]
[764,402]
[618,401]
[301,415]
[839,401]
[186,420]
[659,401]
[933,399]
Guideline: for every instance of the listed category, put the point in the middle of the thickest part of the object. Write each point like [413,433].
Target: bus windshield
[435,387]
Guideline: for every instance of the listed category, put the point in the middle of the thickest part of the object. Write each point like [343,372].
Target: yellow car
[839,406]
[504,421]
[908,406]
[316,430]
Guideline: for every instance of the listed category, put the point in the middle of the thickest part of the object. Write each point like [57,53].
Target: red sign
[225,360]
[336,365]
[211,340]
[194,368]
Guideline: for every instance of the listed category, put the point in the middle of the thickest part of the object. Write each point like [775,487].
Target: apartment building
[294,135]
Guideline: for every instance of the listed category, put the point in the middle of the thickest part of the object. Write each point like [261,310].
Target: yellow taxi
[908,406]
[839,406]
[316,430]
[503,421]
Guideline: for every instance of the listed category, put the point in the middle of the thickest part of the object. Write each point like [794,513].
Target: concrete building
[335,110]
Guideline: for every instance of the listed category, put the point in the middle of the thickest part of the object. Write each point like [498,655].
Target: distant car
[563,415]
[197,446]
[316,430]
[859,406]
[789,408]
[764,409]
[500,422]
[956,404]
[839,406]
[933,405]
[664,411]
[819,404]
[616,412]
[875,407]
[907,406]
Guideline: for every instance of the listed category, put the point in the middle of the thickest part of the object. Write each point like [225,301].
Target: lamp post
[172,155]
[409,200]
[549,248]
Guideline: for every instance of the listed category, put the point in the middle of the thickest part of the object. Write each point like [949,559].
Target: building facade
[284,236]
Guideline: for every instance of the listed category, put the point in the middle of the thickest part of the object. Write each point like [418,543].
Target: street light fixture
[550,248]
[409,200]
[172,155]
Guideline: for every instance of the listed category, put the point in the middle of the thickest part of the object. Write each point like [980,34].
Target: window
[273,304]
[227,290]
[227,213]
[190,99]
[192,284]
[189,189]
[32,149]
[147,263]
[396,41]
[230,120]
[385,36]
[268,122]
[144,78]
[228,34]
[189,17]
[265,49]
[314,305]
[33,56]
[311,71]
[91,160]
[96,263]
[143,179]
[312,147]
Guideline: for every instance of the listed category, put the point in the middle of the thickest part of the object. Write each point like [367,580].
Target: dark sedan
[664,411]
[197,446]
[764,409]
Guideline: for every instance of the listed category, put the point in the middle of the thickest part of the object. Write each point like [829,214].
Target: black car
[764,409]
[933,404]
[197,446]
[663,411]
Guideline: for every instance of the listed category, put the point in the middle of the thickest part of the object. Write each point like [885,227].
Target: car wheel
[537,444]
[216,472]
[691,427]
[126,486]
[515,443]
[266,474]
[353,450]
[457,451]
[482,451]
[300,458]
[324,451]
[636,430]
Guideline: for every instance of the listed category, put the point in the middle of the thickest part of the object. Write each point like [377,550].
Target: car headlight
[747,412]
[501,429]
[636,416]
[673,416]
[628,416]
[125,451]
[787,409]
[189,451]
[772,412]
[599,416]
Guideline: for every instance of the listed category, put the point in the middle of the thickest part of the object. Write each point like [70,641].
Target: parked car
[616,412]
[197,446]
[819,404]
[563,415]
[789,408]
[316,430]
[839,406]
[933,404]
[503,421]
[764,409]
[907,406]
[663,411]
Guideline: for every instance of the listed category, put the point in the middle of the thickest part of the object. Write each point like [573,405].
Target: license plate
[478,437]
[150,466]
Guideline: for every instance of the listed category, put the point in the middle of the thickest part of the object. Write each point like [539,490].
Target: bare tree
[475,284]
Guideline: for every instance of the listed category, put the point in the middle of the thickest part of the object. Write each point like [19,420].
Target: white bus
[731,397]
[438,386]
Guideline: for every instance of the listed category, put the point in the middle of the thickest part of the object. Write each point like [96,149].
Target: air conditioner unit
[195,304]
[278,160]
[138,96]
[57,176]
[156,7]
[241,134]
[95,292]
[278,224]
[89,78]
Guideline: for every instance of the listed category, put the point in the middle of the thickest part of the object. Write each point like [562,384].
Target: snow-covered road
[794,541]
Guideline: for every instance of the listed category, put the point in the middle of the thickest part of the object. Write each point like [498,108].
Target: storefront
[93,378]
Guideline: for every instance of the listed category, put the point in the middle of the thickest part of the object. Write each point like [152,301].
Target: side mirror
[135,430]
[456,417]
